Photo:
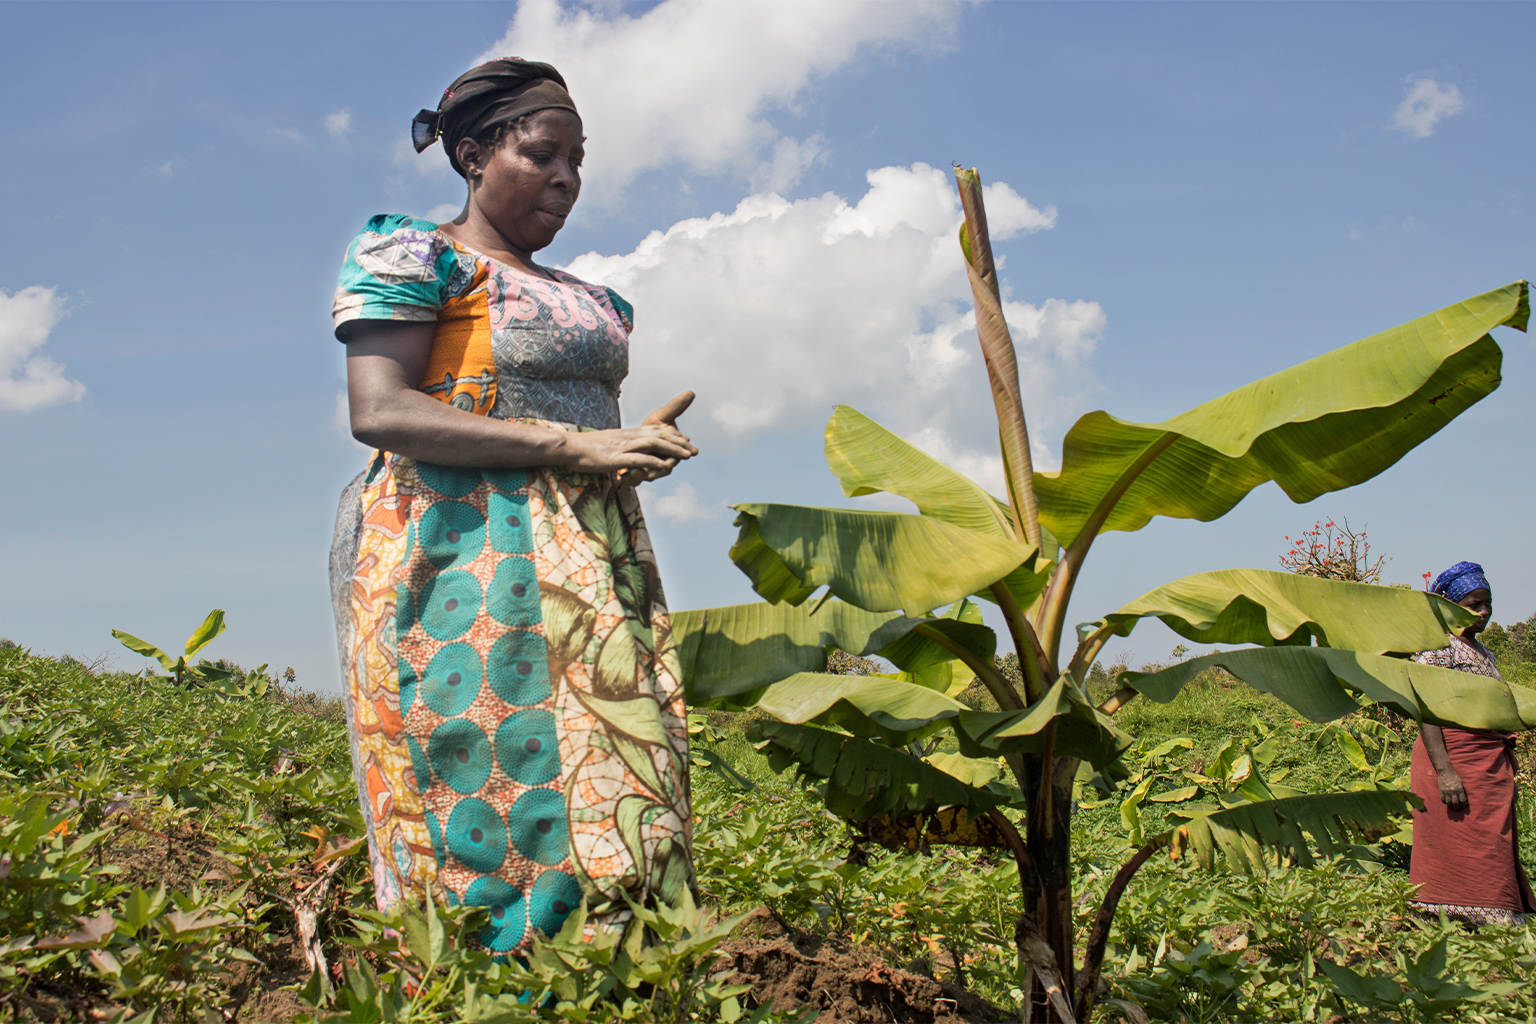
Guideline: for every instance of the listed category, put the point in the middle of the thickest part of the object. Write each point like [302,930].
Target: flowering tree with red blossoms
[1333,552]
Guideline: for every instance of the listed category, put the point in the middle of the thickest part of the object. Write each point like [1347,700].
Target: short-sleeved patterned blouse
[517,725]
[1465,654]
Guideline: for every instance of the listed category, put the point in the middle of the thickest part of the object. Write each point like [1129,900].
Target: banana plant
[900,756]
[205,673]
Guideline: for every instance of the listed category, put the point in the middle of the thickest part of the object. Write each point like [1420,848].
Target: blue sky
[1196,195]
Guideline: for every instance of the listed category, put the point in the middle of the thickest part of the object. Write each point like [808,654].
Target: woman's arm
[1452,793]
[385,362]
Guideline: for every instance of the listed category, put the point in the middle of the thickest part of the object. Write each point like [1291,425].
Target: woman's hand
[1452,793]
[665,416]
[385,363]
[645,452]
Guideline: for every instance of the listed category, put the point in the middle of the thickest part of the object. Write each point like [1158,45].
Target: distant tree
[1511,643]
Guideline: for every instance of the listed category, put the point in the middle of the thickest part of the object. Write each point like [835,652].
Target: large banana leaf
[1325,424]
[864,705]
[1082,731]
[145,648]
[204,634]
[864,779]
[898,712]
[1260,606]
[915,652]
[865,458]
[879,561]
[729,654]
[973,771]
[1241,833]
[1317,681]
[724,652]
[998,353]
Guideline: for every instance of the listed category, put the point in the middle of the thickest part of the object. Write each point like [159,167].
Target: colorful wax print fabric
[518,732]
[507,343]
[1463,655]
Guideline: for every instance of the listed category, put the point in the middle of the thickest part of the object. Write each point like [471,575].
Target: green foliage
[1515,646]
[429,971]
[107,783]
[70,836]
[1328,423]
[205,673]
[952,911]
[101,778]
[1425,993]
[1194,944]
[1190,943]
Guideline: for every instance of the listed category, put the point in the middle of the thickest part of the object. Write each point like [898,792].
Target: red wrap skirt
[1469,857]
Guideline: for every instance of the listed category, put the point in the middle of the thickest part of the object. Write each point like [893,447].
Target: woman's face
[1480,603]
[526,186]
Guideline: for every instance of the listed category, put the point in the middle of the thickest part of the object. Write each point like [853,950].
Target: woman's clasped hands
[647,452]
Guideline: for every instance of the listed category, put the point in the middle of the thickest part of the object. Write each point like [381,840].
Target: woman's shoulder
[398,267]
[1461,654]
[610,300]
[399,246]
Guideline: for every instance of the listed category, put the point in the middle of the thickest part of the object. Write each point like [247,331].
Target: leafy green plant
[903,748]
[205,672]
[1424,993]
[111,785]
[432,971]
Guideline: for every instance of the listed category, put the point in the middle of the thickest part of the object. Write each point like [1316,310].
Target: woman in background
[1466,859]
[516,717]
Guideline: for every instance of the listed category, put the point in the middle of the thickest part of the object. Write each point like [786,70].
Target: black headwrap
[496,91]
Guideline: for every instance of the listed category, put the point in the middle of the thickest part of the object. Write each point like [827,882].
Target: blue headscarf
[1460,580]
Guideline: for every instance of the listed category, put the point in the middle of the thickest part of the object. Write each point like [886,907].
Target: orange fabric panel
[461,370]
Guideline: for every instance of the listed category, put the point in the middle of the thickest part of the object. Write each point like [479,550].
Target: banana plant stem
[1117,700]
[995,682]
[1059,592]
[1037,671]
[1087,651]
[1045,800]
[1093,953]
[1029,878]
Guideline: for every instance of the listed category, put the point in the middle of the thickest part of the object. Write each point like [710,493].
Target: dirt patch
[793,970]
[179,856]
[262,997]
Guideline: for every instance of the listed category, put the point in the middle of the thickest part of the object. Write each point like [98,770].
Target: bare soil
[792,970]
[181,856]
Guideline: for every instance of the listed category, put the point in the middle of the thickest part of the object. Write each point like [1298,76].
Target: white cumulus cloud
[339,124]
[778,310]
[690,81]
[1427,103]
[431,162]
[29,380]
[682,505]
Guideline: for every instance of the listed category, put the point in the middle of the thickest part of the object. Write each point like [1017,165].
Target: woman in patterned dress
[513,699]
[1466,858]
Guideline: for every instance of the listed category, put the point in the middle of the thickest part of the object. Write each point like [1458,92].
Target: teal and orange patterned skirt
[516,716]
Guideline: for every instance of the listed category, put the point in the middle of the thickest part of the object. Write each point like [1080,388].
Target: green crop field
[170,853]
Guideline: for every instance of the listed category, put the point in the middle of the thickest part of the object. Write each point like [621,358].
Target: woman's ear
[471,156]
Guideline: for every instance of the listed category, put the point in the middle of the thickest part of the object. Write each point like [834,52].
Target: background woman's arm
[1452,793]
[385,363]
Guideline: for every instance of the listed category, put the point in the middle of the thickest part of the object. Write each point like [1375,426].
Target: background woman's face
[530,182]
[1479,602]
